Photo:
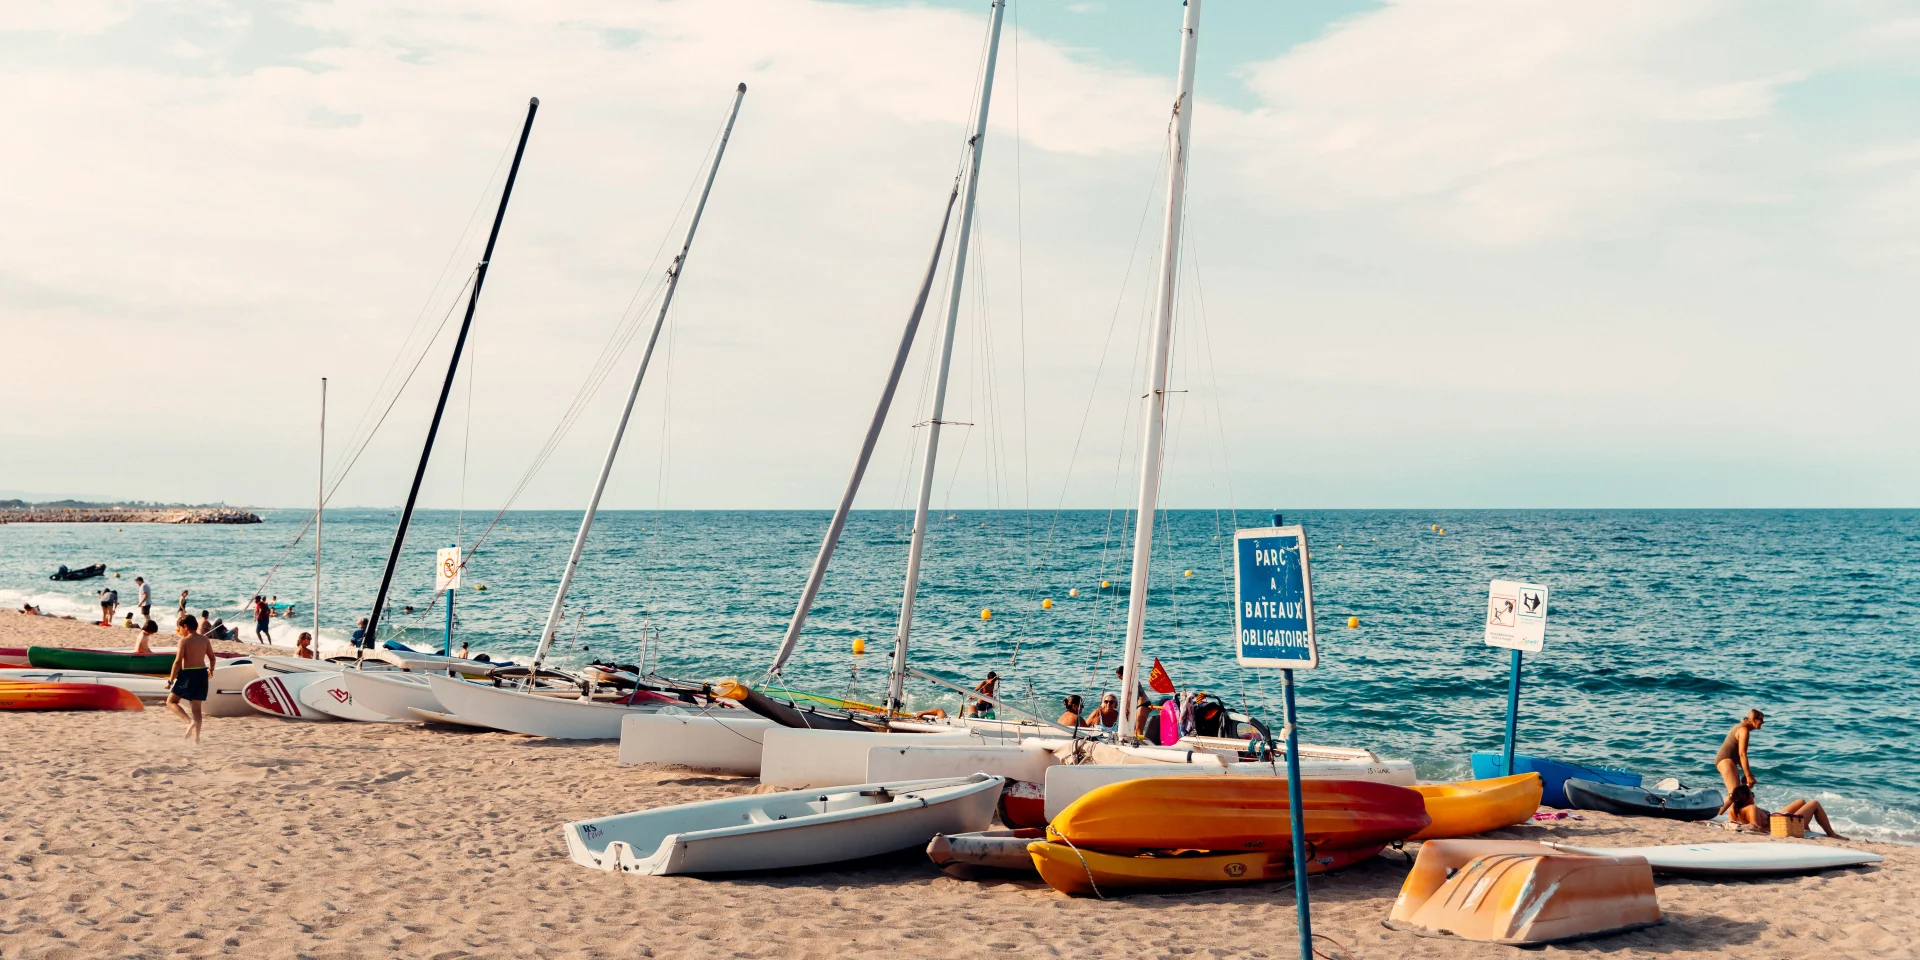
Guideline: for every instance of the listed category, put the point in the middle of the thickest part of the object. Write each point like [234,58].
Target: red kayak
[65,696]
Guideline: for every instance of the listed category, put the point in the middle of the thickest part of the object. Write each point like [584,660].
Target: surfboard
[1757,859]
[278,695]
[330,695]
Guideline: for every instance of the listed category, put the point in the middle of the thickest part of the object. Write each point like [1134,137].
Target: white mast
[1152,445]
[319,517]
[896,684]
[555,614]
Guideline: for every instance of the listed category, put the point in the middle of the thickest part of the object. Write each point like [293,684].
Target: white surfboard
[278,695]
[1756,859]
[329,693]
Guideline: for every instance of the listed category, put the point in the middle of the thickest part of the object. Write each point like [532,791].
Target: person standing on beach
[192,667]
[1735,769]
[146,598]
[262,614]
[181,612]
[109,599]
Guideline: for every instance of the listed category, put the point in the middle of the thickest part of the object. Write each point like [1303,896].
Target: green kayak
[57,658]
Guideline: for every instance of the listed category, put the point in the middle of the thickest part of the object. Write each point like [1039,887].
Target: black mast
[453,366]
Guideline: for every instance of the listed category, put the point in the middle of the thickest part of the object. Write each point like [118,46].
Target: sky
[1471,253]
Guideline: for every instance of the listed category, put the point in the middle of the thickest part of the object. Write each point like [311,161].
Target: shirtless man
[1732,761]
[192,666]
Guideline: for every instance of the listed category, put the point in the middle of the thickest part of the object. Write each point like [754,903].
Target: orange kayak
[1477,806]
[66,696]
[1223,814]
[1087,872]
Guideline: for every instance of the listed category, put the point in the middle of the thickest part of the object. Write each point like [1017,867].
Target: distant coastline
[75,511]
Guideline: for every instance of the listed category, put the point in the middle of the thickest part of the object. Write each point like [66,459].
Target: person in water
[192,665]
[145,646]
[1741,808]
[1072,717]
[303,648]
[1732,761]
[989,687]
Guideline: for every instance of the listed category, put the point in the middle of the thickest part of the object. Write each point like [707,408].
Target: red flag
[1158,679]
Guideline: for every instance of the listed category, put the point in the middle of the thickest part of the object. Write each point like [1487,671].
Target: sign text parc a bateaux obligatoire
[1273,599]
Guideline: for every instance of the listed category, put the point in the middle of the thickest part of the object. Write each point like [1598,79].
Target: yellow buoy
[1441,530]
[859,646]
[986,614]
[481,587]
[1104,584]
[1074,592]
[1189,573]
[1353,623]
[1046,604]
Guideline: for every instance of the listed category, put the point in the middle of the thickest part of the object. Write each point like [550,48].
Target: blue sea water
[1664,626]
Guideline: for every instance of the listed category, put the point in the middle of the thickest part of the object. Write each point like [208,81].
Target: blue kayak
[1553,774]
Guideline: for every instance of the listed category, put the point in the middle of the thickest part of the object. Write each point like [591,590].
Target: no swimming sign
[1273,599]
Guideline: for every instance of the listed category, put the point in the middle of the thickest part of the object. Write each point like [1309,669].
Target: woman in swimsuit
[1741,808]
[1072,717]
[1732,758]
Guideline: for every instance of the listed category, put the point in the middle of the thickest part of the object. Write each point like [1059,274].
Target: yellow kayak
[1090,872]
[1476,806]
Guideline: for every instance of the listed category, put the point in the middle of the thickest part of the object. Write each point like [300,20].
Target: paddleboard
[328,693]
[1758,859]
[278,695]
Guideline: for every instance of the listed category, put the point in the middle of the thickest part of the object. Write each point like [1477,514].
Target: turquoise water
[1664,626]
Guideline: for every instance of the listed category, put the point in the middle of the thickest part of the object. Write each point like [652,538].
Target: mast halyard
[319,516]
[1153,444]
[557,612]
[440,408]
[896,682]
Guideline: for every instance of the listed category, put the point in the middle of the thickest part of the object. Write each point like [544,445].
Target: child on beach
[192,667]
[145,646]
[304,647]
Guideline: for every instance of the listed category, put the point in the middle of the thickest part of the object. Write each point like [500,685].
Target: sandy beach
[285,839]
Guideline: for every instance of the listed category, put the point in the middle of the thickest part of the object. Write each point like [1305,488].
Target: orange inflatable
[1224,814]
[66,696]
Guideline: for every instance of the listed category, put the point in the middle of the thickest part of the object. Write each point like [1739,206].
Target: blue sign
[1273,599]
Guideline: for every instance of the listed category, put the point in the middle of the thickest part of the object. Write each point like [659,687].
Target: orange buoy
[986,614]
[1353,623]
[859,646]
[1046,604]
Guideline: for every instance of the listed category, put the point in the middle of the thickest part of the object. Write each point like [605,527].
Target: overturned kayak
[984,852]
[1082,872]
[18,695]
[774,831]
[1522,894]
[1757,859]
[1236,813]
[61,658]
[1477,806]
[1553,774]
[1675,803]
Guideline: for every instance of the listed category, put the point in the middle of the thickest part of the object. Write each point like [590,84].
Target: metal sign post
[1517,620]
[1273,627]
[446,578]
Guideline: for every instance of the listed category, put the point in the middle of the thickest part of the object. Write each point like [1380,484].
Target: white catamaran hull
[802,759]
[713,740]
[391,693]
[532,714]
[1067,782]
[780,830]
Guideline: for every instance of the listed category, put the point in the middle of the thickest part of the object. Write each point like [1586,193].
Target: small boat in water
[84,573]
[775,831]
[1667,799]
[28,695]
[1477,806]
[1522,894]
[1553,774]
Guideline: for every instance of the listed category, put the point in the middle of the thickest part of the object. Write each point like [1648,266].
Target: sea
[1664,626]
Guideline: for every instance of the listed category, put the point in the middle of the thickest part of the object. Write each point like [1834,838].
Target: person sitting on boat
[303,648]
[360,638]
[144,646]
[1107,716]
[1072,717]
[1732,761]
[1741,808]
[990,687]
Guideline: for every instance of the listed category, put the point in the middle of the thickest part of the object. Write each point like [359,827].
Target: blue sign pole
[1513,714]
[1295,814]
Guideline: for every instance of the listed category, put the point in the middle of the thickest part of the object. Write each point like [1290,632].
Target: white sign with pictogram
[446,569]
[1517,615]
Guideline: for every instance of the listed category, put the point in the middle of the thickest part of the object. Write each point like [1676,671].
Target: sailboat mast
[557,612]
[896,682]
[818,574]
[1152,446]
[453,366]
[319,515]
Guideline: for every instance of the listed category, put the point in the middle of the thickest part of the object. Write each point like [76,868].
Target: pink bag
[1169,723]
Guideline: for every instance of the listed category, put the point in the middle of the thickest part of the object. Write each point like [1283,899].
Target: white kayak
[278,695]
[331,694]
[515,711]
[779,830]
[390,693]
[1756,859]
